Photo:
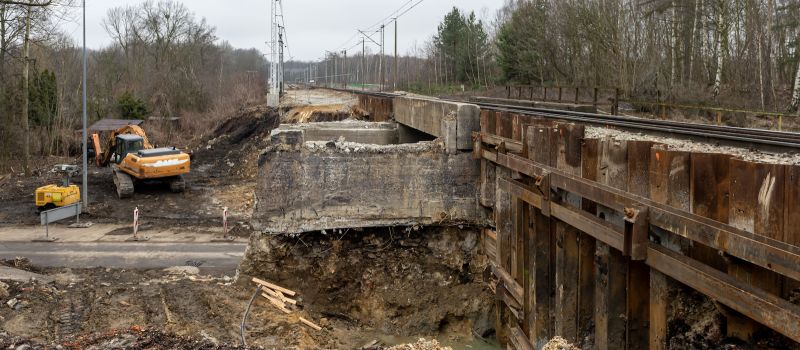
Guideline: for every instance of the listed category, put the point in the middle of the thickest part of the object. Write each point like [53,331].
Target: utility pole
[273,97]
[280,62]
[380,65]
[395,56]
[363,67]
[345,69]
[85,187]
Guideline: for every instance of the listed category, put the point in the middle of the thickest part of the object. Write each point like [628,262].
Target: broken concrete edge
[428,115]
[329,225]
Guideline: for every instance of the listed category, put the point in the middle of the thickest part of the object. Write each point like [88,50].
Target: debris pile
[421,344]
[279,298]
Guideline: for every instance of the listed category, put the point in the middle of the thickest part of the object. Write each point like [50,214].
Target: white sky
[313,26]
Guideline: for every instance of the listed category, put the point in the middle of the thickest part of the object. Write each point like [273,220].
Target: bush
[130,107]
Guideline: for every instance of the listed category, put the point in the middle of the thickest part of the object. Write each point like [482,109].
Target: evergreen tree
[43,97]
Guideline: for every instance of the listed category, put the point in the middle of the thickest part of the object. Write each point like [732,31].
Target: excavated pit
[382,283]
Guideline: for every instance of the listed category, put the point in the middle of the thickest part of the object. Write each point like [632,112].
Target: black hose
[247,312]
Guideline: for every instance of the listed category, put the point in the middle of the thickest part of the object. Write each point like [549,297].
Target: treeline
[163,62]
[734,52]
[460,53]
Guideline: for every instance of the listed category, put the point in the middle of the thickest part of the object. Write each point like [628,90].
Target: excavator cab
[125,144]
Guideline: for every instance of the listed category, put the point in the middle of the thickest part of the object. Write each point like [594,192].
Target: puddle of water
[473,344]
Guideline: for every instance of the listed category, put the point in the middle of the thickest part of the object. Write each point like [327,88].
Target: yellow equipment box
[52,196]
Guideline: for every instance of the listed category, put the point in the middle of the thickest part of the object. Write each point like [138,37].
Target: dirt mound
[323,113]
[233,148]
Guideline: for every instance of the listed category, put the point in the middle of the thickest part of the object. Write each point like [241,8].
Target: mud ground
[363,288]
[359,286]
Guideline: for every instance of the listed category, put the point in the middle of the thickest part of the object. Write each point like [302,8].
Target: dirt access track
[371,287]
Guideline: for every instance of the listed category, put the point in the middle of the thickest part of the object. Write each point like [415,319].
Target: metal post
[380,65]
[363,66]
[85,186]
[396,73]
[345,70]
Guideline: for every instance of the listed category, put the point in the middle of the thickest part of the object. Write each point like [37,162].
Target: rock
[23,347]
[4,290]
[13,302]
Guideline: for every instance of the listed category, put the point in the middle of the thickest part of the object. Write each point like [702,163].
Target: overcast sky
[313,26]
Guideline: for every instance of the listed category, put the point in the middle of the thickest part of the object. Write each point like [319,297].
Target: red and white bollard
[135,223]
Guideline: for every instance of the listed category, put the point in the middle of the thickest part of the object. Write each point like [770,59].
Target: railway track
[780,139]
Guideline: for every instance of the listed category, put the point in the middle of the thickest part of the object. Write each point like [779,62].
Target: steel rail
[710,132]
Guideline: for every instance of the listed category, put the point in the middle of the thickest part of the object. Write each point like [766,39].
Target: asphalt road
[209,257]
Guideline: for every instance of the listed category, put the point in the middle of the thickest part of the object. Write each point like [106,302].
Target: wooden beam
[763,251]
[768,309]
[272,286]
[518,339]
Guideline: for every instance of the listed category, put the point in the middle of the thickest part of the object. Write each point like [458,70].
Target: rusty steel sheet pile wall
[593,234]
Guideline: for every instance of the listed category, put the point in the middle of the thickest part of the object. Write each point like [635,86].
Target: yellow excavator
[132,159]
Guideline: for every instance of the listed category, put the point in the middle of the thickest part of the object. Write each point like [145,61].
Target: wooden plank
[587,244]
[568,160]
[520,229]
[518,339]
[791,231]
[488,183]
[274,287]
[638,282]
[756,205]
[610,265]
[488,125]
[670,185]
[770,310]
[505,127]
[503,221]
[599,229]
[514,289]
[763,251]
[659,306]
[710,188]
[310,324]
[519,190]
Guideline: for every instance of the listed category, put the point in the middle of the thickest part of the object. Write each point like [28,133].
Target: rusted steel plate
[770,310]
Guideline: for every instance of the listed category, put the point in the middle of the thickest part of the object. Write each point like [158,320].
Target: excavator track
[177,184]
[124,184]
